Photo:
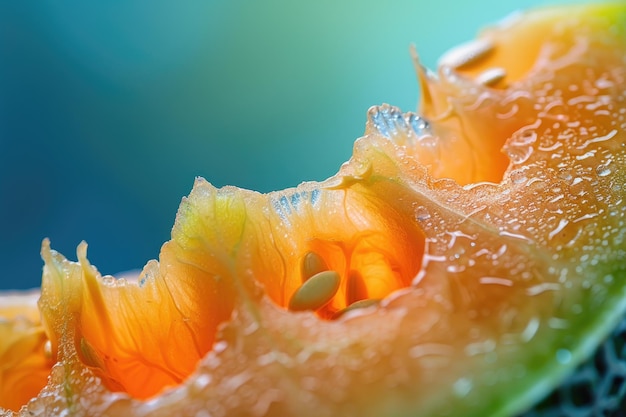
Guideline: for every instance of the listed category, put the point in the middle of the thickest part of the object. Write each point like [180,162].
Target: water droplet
[518,176]
[420,126]
[421,213]
[558,228]
[462,387]
[387,120]
[563,356]
[428,141]
[603,170]
[455,268]
[519,155]
[220,346]
[565,175]
[108,281]
[200,382]
[575,181]
[523,138]
[480,348]
[530,330]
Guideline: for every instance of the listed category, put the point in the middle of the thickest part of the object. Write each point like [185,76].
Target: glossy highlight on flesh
[466,255]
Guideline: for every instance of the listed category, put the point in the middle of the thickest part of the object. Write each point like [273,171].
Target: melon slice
[25,354]
[470,256]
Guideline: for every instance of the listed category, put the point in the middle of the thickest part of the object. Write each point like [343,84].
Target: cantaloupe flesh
[499,274]
[139,338]
[472,123]
[24,363]
[142,338]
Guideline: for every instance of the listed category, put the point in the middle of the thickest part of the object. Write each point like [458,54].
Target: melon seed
[466,54]
[312,264]
[491,77]
[357,305]
[315,292]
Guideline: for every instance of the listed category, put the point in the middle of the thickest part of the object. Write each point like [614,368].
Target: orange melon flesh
[475,121]
[491,225]
[24,363]
[122,328]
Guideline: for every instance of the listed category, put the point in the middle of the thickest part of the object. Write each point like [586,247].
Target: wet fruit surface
[25,356]
[466,258]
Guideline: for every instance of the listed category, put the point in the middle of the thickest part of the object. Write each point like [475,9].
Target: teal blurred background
[109,110]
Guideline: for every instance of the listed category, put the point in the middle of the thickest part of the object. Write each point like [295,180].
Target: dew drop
[421,214]
[519,155]
[428,141]
[420,126]
[566,175]
[462,387]
[455,268]
[558,228]
[603,170]
[563,356]
[523,138]
[220,346]
[108,281]
[518,176]
[200,383]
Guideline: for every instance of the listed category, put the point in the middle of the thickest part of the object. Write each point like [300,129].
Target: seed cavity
[312,264]
[315,292]
[491,77]
[466,54]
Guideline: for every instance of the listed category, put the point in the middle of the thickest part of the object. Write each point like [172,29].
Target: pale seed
[466,54]
[315,292]
[491,77]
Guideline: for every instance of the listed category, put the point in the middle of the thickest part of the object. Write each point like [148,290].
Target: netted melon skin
[596,389]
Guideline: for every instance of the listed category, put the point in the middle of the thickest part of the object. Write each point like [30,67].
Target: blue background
[108,111]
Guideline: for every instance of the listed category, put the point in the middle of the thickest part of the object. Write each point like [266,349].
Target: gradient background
[108,111]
